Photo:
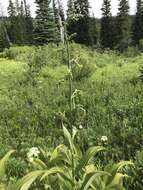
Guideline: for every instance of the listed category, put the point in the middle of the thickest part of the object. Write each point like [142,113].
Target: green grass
[10,71]
[114,73]
[110,92]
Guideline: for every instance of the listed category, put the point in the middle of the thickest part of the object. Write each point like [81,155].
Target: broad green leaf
[39,164]
[54,170]
[91,152]
[68,137]
[89,178]
[117,180]
[114,169]
[26,182]
[3,163]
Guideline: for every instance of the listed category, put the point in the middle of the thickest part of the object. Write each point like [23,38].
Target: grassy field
[34,100]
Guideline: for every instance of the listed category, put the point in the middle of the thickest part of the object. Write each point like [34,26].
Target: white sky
[95,6]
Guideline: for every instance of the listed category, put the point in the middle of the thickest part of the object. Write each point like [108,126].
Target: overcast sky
[95,6]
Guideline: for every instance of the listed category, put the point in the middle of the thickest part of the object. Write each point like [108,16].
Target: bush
[136,181]
[131,52]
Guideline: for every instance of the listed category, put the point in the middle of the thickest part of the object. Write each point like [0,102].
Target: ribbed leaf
[89,178]
[26,182]
[39,164]
[114,169]
[3,163]
[54,170]
[117,181]
[91,152]
[2,187]
[68,137]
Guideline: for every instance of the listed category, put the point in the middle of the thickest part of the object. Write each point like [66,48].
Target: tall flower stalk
[70,90]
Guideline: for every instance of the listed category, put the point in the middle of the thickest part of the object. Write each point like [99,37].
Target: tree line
[112,32]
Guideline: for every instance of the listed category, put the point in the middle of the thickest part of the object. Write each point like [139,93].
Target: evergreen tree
[46,29]
[17,22]
[12,21]
[79,21]
[11,9]
[29,23]
[70,10]
[4,38]
[123,26]
[83,22]
[21,22]
[93,31]
[72,18]
[106,34]
[59,19]
[138,23]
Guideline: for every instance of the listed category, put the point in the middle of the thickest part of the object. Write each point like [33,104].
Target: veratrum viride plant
[55,172]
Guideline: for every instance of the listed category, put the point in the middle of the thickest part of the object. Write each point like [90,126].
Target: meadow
[107,105]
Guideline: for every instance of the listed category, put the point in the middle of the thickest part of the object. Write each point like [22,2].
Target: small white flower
[33,153]
[104,138]
[31,159]
[80,127]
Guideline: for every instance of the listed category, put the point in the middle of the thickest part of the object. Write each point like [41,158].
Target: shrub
[136,172]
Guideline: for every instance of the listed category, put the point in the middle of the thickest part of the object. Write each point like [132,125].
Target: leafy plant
[67,167]
[5,183]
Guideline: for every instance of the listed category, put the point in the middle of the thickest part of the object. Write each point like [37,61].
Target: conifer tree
[80,25]
[12,21]
[29,23]
[123,26]
[46,29]
[138,23]
[4,38]
[72,18]
[59,19]
[106,36]
[71,9]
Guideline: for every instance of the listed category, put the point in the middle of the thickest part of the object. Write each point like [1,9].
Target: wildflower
[80,127]
[33,153]
[104,138]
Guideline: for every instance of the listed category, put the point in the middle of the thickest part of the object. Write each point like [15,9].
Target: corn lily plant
[68,168]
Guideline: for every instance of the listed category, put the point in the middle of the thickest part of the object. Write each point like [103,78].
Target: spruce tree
[106,37]
[70,10]
[12,21]
[138,23]
[4,39]
[83,22]
[59,19]
[123,26]
[17,26]
[72,18]
[29,23]
[79,21]
[46,29]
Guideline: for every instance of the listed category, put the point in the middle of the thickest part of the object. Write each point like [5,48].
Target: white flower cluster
[104,138]
[33,153]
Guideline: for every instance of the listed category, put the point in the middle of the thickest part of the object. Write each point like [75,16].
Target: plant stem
[70,95]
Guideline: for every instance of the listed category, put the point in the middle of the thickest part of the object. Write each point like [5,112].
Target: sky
[94,4]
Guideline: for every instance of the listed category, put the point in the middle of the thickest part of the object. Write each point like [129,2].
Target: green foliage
[4,41]
[20,23]
[132,52]
[106,36]
[123,26]
[45,30]
[137,24]
[4,183]
[68,168]
[108,103]
[136,172]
